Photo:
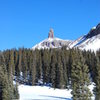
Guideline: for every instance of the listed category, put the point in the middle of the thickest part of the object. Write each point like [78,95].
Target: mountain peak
[51,33]
[51,42]
[94,31]
[90,41]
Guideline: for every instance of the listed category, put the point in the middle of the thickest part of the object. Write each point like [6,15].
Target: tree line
[59,68]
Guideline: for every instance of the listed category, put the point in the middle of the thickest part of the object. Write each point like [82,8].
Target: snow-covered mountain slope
[74,43]
[92,44]
[91,41]
[51,42]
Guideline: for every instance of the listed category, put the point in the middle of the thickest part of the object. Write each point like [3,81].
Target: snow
[73,43]
[52,39]
[43,93]
[91,87]
[93,27]
[14,82]
[46,93]
[84,43]
[42,45]
[94,46]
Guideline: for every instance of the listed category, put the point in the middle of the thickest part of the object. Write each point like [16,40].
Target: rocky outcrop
[94,31]
[51,34]
[52,42]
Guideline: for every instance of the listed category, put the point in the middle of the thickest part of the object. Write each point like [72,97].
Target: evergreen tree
[16,94]
[80,79]
[46,66]
[19,68]
[65,60]
[97,79]
[4,87]
[11,69]
[16,61]
[60,83]
[53,70]
[24,63]
[38,65]
[6,82]
[33,70]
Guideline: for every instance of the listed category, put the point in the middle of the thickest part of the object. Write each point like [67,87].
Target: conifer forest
[58,68]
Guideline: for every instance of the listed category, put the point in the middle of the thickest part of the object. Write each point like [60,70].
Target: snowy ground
[45,93]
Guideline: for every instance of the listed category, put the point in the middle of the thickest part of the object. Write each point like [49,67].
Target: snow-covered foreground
[46,93]
[43,93]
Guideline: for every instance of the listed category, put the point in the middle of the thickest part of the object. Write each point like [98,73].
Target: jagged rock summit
[90,41]
[51,33]
[51,42]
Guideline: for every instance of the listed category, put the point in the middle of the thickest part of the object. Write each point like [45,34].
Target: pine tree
[24,63]
[4,84]
[97,79]
[65,60]
[60,83]
[46,66]
[33,69]
[53,70]
[16,62]
[19,69]
[16,94]
[6,81]
[38,65]
[4,87]
[11,63]
[80,79]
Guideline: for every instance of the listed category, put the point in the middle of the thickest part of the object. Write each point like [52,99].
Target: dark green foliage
[60,83]
[59,67]
[80,79]
[16,94]
[38,65]
[97,79]
[53,70]
[19,67]
[11,69]
[33,70]
[4,86]
[46,66]
[24,63]
[6,82]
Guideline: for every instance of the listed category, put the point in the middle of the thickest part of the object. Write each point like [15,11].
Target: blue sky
[27,22]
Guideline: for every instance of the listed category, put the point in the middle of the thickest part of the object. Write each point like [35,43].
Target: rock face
[51,34]
[94,31]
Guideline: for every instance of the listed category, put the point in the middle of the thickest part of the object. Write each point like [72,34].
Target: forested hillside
[58,68]
[8,91]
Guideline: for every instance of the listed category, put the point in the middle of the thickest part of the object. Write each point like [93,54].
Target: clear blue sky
[27,22]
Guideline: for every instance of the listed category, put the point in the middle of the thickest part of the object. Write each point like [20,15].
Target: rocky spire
[51,33]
